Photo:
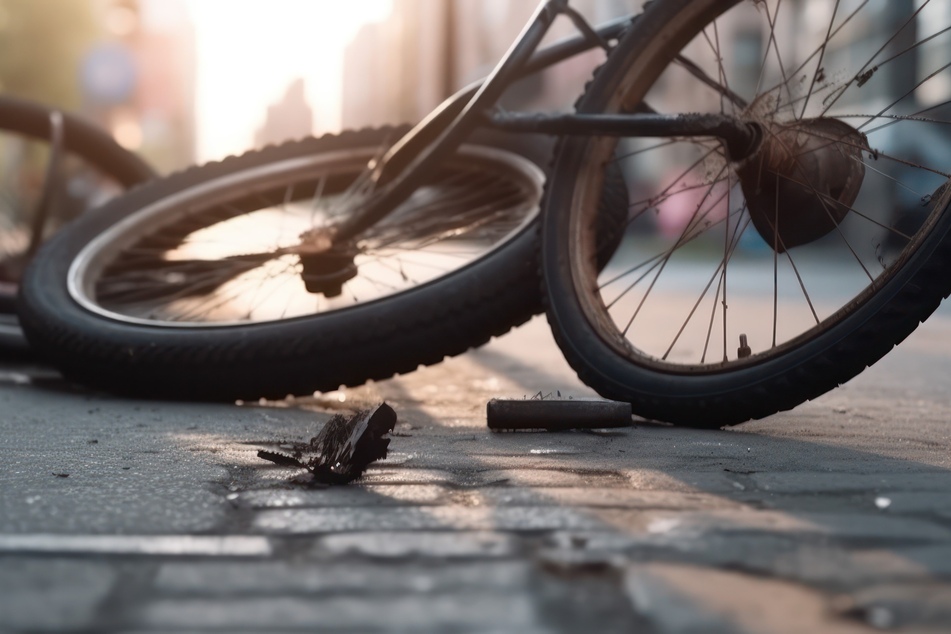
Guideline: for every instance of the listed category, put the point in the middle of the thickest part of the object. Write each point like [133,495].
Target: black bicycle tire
[422,326]
[81,138]
[819,364]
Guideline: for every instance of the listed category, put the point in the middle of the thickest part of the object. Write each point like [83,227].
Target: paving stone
[602,542]
[693,599]
[822,482]
[671,525]
[533,518]
[748,551]
[408,612]
[904,606]
[787,556]
[216,578]
[411,476]
[875,526]
[798,503]
[912,502]
[553,478]
[158,545]
[685,481]
[794,559]
[935,559]
[461,530]
[435,545]
[842,568]
[603,497]
[845,526]
[670,611]
[51,594]
[107,505]
[354,495]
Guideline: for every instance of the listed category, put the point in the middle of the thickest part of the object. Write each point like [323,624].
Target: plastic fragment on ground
[556,414]
[344,448]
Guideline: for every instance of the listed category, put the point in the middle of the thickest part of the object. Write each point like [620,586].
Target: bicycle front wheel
[743,288]
[203,285]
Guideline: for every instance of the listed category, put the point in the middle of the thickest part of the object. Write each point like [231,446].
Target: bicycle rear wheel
[88,166]
[743,288]
[201,285]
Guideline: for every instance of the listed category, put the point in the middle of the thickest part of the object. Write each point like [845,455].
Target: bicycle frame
[408,164]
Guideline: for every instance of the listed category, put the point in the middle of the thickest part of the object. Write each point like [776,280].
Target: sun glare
[249,51]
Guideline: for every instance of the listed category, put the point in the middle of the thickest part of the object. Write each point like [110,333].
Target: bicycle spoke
[651,148]
[737,234]
[655,261]
[815,75]
[824,204]
[700,74]
[772,45]
[900,99]
[248,257]
[862,75]
[714,46]
[697,218]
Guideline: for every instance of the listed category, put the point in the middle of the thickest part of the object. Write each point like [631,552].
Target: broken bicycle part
[343,449]
[556,414]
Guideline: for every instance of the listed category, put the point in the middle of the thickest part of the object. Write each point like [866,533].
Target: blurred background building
[192,80]
[290,118]
[428,49]
[125,64]
[139,78]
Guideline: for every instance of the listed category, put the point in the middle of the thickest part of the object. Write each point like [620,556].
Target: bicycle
[768,172]
[53,165]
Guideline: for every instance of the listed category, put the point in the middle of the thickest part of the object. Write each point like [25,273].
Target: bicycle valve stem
[744,350]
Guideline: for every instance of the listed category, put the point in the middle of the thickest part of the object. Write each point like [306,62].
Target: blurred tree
[41,45]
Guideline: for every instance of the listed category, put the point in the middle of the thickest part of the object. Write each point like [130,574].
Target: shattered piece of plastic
[344,448]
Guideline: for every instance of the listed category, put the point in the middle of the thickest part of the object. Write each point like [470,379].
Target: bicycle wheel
[86,167]
[743,288]
[201,285]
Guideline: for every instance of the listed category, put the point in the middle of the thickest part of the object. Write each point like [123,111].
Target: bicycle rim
[719,277]
[227,251]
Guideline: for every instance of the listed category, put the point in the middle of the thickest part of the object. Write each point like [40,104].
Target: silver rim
[438,244]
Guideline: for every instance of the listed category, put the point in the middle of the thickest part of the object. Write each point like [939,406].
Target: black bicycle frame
[410,162]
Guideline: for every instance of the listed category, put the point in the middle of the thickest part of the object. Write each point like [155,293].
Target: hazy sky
[248,51]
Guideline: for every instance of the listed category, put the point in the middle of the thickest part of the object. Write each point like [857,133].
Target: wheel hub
[803,180]
[325,273]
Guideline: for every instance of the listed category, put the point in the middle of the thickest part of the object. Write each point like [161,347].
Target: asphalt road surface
[121,515]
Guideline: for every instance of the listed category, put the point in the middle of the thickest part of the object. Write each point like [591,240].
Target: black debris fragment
[556,414]
[344,448]
[281,459]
